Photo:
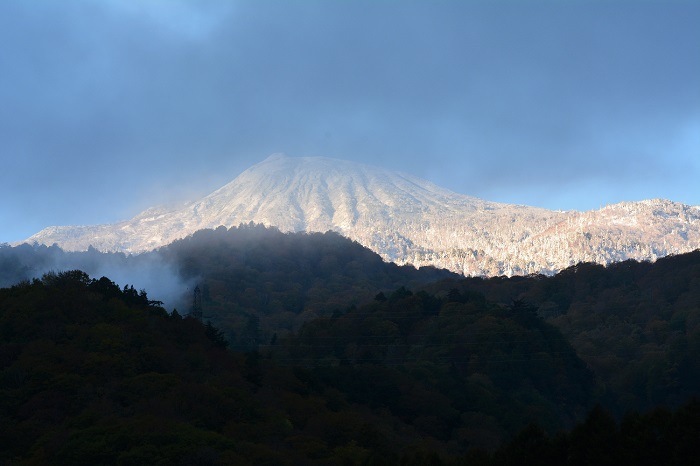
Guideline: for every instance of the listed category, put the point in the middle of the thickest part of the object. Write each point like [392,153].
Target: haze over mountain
[405,220]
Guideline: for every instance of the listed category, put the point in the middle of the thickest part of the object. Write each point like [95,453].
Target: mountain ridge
[406,220]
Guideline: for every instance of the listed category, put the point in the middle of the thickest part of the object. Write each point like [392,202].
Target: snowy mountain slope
[406,220]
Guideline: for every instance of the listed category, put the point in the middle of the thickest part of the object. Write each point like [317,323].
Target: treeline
[348,358]
[657,437]
[91,373]
[636,324]
[94,374]
[255,281]
[457,368]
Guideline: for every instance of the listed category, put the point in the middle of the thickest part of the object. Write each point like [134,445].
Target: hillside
[261,285]
[635,324]
[405,220]
[326,367]
[255,280]
[95,374]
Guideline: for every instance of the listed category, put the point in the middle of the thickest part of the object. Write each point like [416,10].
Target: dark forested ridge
[458,368]
[636,324]
[94,374]
[255,281]
[315,351]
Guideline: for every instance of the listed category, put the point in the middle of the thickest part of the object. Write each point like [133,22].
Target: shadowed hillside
[318,352]
[636,324]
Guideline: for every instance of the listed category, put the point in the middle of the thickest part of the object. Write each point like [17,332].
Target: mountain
[406,220]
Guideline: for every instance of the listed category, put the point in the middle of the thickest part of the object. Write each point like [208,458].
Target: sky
[109,107]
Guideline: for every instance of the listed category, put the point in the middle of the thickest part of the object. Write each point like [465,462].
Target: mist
[149,271]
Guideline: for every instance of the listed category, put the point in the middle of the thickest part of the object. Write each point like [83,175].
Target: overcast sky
[109,107]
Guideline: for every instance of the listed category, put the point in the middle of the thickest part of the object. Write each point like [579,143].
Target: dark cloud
[109,107]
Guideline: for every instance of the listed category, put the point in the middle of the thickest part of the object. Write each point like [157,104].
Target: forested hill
[247,253]
[336,357]
[94,374]
[255,281]
[636,324]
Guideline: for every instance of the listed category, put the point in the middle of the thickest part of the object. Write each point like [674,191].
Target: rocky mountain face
[405,220]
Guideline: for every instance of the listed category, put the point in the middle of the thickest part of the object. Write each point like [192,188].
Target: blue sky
[109,107]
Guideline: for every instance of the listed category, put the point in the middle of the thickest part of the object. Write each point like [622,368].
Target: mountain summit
[406,220]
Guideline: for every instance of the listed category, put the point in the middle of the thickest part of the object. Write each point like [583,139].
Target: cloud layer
[110,107]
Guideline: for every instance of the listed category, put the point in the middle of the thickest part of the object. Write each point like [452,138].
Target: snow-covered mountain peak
[405,219]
